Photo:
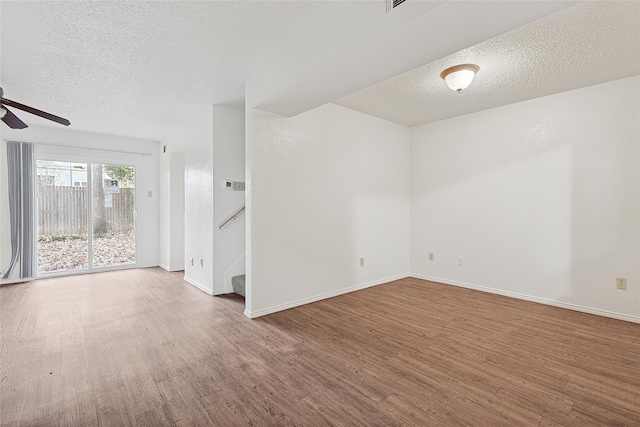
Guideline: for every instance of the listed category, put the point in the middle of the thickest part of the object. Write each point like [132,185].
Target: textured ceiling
[142,68]
[587,44]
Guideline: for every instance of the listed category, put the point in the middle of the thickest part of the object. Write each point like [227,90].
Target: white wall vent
[393,3]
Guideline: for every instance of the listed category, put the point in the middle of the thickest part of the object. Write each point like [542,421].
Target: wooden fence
[62,211]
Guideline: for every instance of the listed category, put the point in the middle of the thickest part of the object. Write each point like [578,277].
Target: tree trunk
[99,216]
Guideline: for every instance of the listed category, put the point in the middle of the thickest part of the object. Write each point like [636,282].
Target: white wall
[176,210]
[164,218]
[195,139]
[328,187]
[172,210]
[541,198]
[213,146]
[228,164]
[91,147]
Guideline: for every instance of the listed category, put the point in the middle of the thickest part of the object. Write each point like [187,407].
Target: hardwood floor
[141,347]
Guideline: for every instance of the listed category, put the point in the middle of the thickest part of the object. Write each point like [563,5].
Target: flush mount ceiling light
[459,77]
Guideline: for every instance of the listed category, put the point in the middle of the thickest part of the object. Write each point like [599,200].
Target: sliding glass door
[62,216]
[85,216]
[112,190]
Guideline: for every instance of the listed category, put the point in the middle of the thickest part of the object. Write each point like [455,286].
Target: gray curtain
[21,180]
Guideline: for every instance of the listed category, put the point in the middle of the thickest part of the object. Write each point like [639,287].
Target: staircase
[237,282]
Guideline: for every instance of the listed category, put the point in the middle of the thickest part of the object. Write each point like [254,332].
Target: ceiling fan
[14,122]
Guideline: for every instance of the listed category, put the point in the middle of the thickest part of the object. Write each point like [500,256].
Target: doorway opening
[86,217]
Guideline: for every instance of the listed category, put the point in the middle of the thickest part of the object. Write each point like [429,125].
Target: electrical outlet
[201,262]
[621,284]
[461,261]
[361,262]
[191,261]
[431,256]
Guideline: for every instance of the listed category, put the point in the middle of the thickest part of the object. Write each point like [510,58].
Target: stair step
[237,282]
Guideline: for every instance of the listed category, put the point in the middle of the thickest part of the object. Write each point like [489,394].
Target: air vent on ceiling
[393,3]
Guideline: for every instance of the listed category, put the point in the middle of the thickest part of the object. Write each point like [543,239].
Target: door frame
[89,161]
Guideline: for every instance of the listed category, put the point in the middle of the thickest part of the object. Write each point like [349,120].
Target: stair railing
[233,218]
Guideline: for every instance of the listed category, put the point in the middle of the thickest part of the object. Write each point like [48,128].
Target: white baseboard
[286,306]
[14,281]
[561,304]
[202,287]
[140,265]
[172,270]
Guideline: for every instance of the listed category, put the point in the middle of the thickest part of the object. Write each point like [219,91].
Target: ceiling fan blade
[12,120]
[36,112]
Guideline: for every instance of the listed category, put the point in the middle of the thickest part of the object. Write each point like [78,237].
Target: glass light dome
[459,77]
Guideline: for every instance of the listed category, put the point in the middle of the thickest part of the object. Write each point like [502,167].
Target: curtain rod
[94,149]
[84,148]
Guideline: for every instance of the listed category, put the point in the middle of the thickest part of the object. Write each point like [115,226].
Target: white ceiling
[141,69]
[586,44]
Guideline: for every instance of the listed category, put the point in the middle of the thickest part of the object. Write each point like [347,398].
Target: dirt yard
[70,252]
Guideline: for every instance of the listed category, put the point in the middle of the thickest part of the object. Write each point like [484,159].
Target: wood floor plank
[156,417]
[226,409]
[188,413]
[340,406]
[548,423]
[606,414]
[48,421]
[537,399]
[12,402]
[140,388]
[115,408]
[474,406]
[410,414]
[103,367]
[142,347]
[431,411]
